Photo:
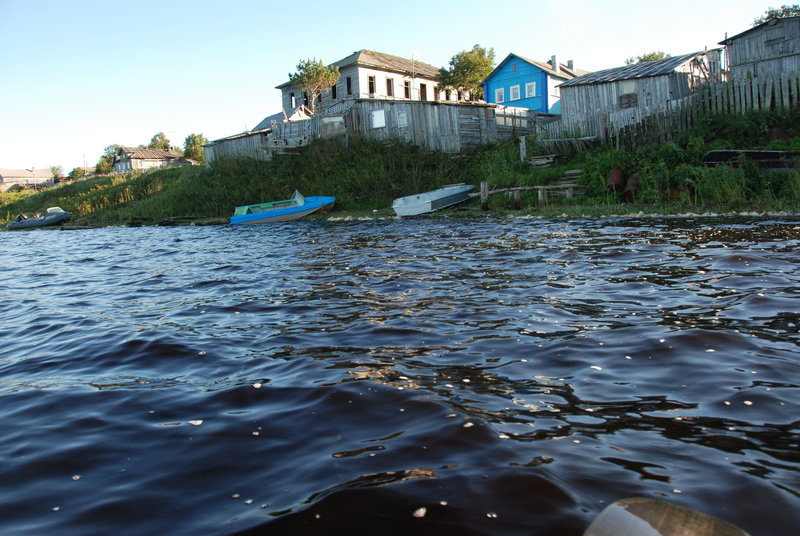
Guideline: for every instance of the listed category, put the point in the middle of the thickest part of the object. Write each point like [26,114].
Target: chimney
[571,65]
[554,63]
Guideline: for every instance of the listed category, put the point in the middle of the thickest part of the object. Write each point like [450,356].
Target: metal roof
[385,62]
[630,72]
[564,71]
[150,153]
[25,174]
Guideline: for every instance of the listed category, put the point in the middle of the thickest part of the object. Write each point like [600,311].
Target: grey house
[768,49]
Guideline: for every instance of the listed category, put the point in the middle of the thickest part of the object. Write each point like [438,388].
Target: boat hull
[288,213]
[426,202]
[46,221]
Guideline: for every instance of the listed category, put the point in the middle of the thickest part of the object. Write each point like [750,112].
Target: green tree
[468,69]
[106,163]
[778,13]
[58,172]
[314,78]
[159,141]
[650,56]
[77,173]
[193,147]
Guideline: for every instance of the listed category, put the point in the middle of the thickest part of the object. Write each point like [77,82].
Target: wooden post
[523,149]
[484,195]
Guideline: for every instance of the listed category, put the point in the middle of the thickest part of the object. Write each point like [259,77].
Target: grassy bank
[367,176]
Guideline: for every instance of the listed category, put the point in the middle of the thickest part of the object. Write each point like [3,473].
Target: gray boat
[430,201]
[53,216]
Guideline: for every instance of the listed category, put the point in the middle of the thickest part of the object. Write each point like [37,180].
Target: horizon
[122,76]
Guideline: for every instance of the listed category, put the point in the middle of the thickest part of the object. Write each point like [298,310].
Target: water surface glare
[426,376]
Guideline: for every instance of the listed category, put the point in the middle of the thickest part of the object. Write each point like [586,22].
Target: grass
[367,176]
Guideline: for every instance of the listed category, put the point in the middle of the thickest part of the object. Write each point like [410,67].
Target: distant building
[25,178]
[141,158]
[527,83]
[366,74]
[770,48]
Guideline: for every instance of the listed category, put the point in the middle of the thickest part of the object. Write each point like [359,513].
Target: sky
[78,76]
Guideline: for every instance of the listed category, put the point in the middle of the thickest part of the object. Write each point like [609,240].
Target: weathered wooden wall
[770,49]
[249,145]
[632,126]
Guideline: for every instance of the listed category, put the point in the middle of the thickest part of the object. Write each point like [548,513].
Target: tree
[650,56]
[779,13]
[314,78]
[76,173]
[468,70]
[193,147]
[58,172]
[106,163]
[159,141]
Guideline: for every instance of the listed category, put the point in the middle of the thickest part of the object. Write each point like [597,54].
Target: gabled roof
[299,112]
[150,153]
[643,69]
[773,22]
[26,174]
[384,62]
[564,72]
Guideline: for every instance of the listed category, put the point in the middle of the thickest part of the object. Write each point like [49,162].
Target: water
[493,376]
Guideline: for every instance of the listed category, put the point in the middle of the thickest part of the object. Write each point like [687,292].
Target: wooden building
[526,83]
[450,127]
[25,178]
[592,103]
[366,74]
[769,49]
[142,158]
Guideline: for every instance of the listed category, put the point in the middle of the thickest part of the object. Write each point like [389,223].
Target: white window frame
[513,93]
[500,95]
[530,90]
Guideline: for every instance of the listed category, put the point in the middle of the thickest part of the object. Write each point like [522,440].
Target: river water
[424,376]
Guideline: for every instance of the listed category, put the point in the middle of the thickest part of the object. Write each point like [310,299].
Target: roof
[26,174]
[385,62]
[643,69]
[150,153]
[772,22]
[563,72]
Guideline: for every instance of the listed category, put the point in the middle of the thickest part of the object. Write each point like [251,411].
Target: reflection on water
[464,376]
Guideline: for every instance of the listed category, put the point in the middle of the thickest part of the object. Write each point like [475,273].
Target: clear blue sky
[77,76]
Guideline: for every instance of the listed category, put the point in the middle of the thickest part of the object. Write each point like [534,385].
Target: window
[390,87]
[407,89]
[305,98]
[514,67]
[448,94]
[292,101]
[513,93]
[349,83]
[333,91]
[423,92]
[371,85]
[627,94]
[499,95]
[530,90]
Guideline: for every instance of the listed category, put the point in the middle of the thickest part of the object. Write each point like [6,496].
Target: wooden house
[624,95]
[527,83]
[765,50]
[143,158]
[25,178]
[366,74]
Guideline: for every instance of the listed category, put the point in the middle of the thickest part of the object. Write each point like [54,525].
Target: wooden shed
[590,102]
[765,50]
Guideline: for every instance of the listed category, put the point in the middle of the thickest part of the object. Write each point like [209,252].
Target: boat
[285,210]
[53,216]
[423,203]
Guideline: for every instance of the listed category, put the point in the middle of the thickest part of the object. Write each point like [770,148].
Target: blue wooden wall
[515,71]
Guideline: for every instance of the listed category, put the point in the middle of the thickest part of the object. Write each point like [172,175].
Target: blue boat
[284,210]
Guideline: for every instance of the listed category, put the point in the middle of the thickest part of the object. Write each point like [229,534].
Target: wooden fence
[642,125]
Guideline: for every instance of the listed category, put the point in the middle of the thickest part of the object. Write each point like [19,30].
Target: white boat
[431,201]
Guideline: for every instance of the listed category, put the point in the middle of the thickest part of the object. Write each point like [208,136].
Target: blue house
[527,83]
